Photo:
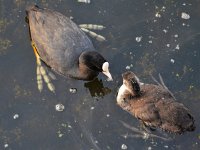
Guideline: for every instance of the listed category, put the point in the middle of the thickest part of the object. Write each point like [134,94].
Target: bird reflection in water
[97,89]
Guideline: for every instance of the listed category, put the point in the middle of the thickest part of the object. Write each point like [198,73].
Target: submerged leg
[162,84]
[94,35]
[145,127]
[42,73]
[141,134]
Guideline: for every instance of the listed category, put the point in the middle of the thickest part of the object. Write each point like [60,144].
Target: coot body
[62,45]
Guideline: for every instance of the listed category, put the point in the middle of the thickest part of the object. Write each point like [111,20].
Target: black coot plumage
[63,46]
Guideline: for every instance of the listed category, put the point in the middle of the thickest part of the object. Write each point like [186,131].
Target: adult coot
[63,46]
[154,105]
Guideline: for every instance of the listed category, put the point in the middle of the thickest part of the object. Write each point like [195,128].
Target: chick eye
[124,99]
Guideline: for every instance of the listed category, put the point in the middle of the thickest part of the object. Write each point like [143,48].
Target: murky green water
[169,45]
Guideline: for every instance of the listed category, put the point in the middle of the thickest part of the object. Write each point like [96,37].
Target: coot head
[95,62]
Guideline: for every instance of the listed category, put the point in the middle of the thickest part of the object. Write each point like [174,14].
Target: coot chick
[63,46]
[154,105]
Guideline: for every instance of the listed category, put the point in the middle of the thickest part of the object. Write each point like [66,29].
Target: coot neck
[83,73]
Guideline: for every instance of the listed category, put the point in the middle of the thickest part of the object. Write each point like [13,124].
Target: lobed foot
[42,73]
[162,84]
[92,26]
[86,27]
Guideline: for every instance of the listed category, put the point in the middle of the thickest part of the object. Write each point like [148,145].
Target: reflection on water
[96,88]
[169,45]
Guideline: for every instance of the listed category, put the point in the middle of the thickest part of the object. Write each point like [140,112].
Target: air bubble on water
[16,116]
[84,1]
[5,145]
[138,39]
[128,67]
[166,146]
[172,61]
[165,31]
[185,16]
[73,90]
[177,46]
[149,148]
[150,41]
[176,35]
[124,146]
[59,107]
[163,9]
[158,15]
[183,24]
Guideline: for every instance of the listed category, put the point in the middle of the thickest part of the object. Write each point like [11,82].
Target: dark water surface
[170,45]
